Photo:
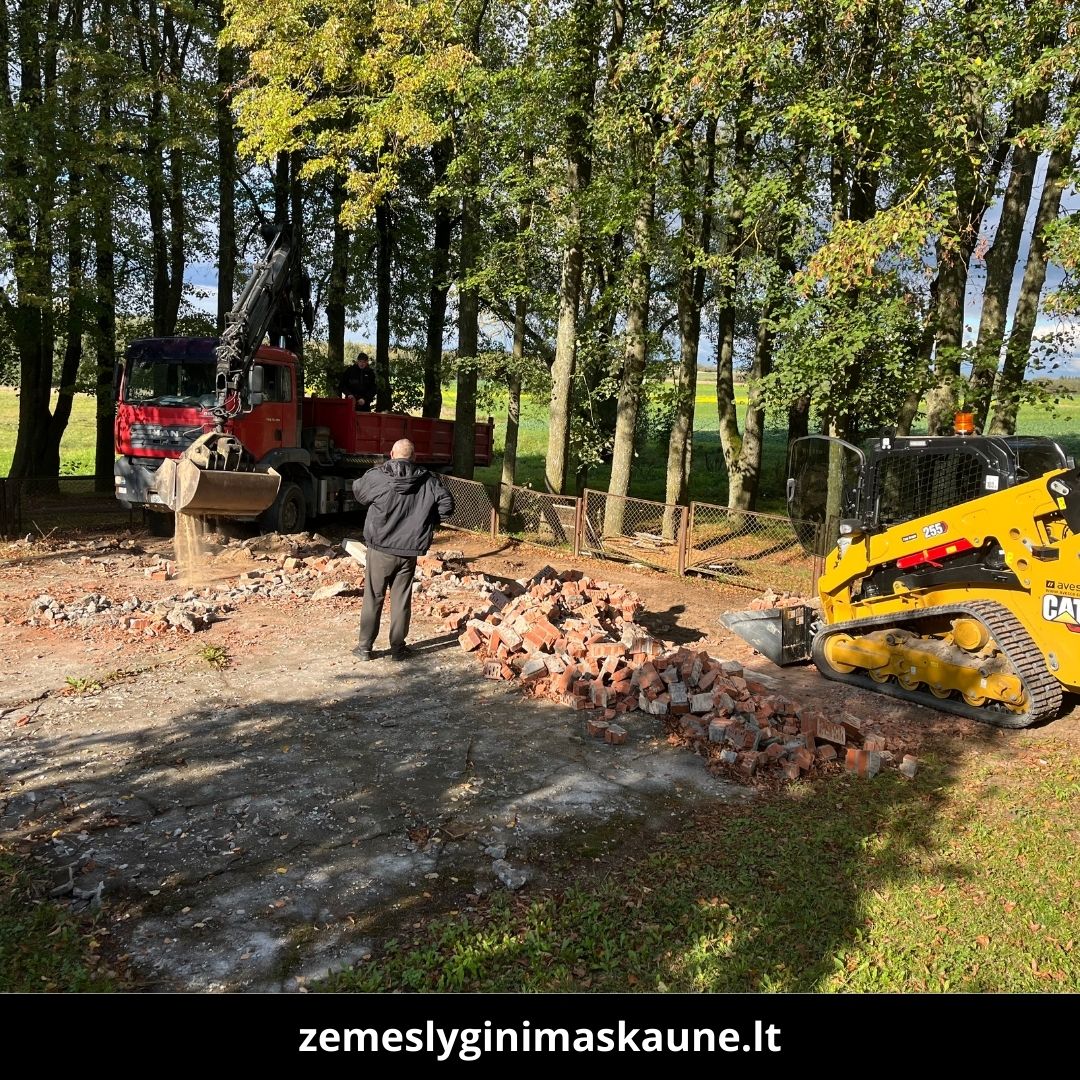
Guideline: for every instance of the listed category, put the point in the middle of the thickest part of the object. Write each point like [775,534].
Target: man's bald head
[402,450]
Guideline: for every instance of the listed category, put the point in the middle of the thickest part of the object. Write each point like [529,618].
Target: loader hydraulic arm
[267,304]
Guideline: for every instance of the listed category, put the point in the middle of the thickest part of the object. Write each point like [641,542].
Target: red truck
[274,454]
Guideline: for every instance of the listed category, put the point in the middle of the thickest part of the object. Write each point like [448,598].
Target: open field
[708,480]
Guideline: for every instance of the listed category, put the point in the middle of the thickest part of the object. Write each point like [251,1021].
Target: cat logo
[1062,609]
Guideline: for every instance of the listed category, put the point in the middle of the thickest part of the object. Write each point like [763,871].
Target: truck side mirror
[117,375]
[256,385]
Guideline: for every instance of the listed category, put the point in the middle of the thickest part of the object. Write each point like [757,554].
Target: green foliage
[357,87]
[855,356]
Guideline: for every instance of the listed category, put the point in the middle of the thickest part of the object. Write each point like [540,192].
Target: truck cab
[164,394]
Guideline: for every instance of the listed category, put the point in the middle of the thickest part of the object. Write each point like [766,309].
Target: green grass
[77,446]
[42,947]
[708,478]
[964,879]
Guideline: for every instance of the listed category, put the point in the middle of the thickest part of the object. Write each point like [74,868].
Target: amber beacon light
[964,423]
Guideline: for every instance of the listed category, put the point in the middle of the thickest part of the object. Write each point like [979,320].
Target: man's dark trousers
[387,572]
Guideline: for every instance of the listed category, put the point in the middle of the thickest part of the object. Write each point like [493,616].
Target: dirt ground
[256,825]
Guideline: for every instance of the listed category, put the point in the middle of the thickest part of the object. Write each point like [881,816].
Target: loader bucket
[782,635]
[185,488]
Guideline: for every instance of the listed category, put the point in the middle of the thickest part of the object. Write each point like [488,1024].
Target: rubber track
[1043,690]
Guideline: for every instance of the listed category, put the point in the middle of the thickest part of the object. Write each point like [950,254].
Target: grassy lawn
[708,479]
[964,879]
[42,948]
[77,446]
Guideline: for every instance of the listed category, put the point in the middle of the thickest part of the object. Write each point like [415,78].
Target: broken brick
[865,763]
[830,732]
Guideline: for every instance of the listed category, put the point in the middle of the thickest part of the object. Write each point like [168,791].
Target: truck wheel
[288,513]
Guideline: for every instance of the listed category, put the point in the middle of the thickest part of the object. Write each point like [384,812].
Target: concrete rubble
[298,567]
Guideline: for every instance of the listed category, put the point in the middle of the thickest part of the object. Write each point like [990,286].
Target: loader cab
[837,489]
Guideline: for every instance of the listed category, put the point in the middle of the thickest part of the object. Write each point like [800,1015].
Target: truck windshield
[166,381]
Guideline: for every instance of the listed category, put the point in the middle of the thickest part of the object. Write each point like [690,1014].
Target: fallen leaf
[982,941]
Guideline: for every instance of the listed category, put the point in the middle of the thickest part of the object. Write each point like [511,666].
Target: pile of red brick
[575,640]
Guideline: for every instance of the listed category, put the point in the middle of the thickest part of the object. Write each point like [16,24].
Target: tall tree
[581,71]
[104,260]
[227,172]
[30,43]
[692,251]
[1018,349]
[636,348]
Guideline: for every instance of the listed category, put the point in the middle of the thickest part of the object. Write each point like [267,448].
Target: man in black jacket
[358,381]
[405,504]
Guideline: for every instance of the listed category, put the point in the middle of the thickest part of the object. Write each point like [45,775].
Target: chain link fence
[739,547]
[759,551]
[40,506]
[633,530]
[537,517]
[473,509]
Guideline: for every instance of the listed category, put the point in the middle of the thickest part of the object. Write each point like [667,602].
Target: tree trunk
[155,171]
[28,195]
[745,479]
[1018,350]
[383,266]
[69,368]
[513,414]
[727,412]
[468,336]
[338,284]
[798,419]
[695,235]
[1001,266]
[105,272]
[176,202]
[637,355]
[296,209]
[226,137]
[281,189]
[513,406]
[974,188]
[442,237]
[578,175]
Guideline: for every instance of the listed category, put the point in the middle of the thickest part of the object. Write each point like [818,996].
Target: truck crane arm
[215,475]
[267,305]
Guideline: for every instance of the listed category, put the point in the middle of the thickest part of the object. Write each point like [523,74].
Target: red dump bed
[375,433]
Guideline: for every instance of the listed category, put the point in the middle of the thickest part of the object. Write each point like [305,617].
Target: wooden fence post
[685,517]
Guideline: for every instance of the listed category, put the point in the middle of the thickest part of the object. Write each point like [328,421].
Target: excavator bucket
[782,635]
[186,488]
